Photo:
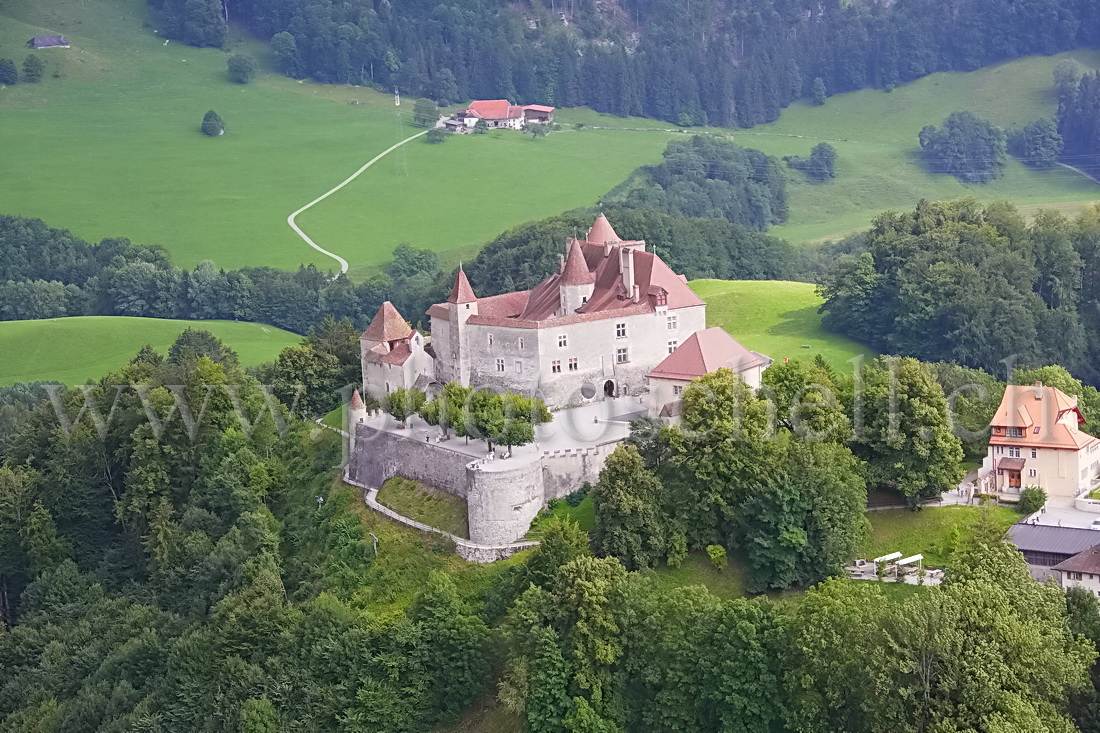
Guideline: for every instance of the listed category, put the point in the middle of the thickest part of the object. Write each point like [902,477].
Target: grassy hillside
[112,148]
[878,164]
[875,135]
[777,319]
[74,350]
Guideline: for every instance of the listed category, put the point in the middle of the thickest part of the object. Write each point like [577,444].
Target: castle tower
[357,412]
[392,352]
[462,305]
[577,281]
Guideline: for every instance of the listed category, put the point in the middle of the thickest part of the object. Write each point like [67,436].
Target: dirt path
[305,237]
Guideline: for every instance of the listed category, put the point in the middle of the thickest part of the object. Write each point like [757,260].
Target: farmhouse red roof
[494,109]
[538,108]
[705,352]
[387,325]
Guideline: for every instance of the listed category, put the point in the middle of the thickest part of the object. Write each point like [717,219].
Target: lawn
[776,318]
[584,514]
[875,135]
[74,350]
[426,504]
[928,531]
[112,148]
[697,569]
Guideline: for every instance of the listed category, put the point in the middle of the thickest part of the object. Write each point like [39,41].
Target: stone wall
[501,500]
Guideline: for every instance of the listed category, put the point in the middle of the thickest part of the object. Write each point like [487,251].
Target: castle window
[500,365]
[563,341]
[519,342]
[573,364]
[490,339]
[620,330]
[662,297]
[620,356]
[519,366]
[671,323]
[677,390]
[555,366]
[672,346]
[1015,432]
[584,299]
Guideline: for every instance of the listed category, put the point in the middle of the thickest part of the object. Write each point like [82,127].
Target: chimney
[1039,390]
[561,263]
[637,293]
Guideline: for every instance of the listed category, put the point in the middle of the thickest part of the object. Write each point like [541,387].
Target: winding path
[305,237]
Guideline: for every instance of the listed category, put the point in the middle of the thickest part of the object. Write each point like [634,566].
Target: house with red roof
[1036,440]
[500,114]
[393,354]
[703,352]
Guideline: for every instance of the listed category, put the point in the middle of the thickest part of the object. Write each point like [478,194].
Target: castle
[613,333]
[598,327]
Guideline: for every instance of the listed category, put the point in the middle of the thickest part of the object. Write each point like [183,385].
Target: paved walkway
[575,430]
[305,237]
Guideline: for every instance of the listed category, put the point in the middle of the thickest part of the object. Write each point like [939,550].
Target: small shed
[48,42]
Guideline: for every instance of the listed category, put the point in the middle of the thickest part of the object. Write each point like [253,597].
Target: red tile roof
[705,352]
[461,292]
[576,270]
[387,325]
[1040,412]
[538,108]
[602,232]
[356,401]
[539,307]
[495,109]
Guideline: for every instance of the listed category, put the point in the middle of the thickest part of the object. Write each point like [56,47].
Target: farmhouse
[1082,570]
[48,42]
[500,114]
[1036,440]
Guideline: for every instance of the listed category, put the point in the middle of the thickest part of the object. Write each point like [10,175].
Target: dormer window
[1015,432]
[662,297]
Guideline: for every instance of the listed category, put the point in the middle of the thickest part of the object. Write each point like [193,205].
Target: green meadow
[776,318]
[75,350]
[111,147]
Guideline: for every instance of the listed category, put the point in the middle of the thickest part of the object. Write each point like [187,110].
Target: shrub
[436,135]
[1032,500]
[9,74]
[33,68]
[575,498]
[212,124]
[241,67]
[718,556]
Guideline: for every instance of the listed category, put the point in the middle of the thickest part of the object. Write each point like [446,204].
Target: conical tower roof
[356,401]
[602,232]
[387,325]
[462,292]
[576,270]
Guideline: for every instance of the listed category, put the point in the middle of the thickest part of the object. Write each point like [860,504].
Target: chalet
[701,353]
[500,114]
[1036,440]
[48,42]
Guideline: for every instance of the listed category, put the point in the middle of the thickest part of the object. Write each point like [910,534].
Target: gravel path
[305,237]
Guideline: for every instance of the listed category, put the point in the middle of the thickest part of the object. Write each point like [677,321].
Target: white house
[501,114]
[1036,440]
[1082,571]
[703,352]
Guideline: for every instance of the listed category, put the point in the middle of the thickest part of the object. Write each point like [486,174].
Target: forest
[172,575]
[49,273]
[714,62]
[973,284]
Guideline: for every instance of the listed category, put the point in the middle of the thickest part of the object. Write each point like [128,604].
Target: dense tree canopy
[716,61]
[966,147]
[972,284]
